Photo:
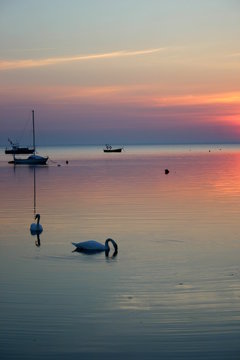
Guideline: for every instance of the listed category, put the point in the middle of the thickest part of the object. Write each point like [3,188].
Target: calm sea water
[173,290]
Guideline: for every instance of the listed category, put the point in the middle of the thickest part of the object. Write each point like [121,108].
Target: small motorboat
[108,148]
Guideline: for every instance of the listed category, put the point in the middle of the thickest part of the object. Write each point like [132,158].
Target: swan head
[37,216]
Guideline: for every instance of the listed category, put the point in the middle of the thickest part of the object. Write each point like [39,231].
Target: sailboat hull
[31,160]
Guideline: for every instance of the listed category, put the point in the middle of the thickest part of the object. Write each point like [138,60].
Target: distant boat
[109,149]
[32,159]
[17,149]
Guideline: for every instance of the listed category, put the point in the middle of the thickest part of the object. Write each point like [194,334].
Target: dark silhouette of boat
[110,149]
[32,159]
[17,149]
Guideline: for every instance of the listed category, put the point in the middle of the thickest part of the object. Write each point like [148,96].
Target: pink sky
[150,74]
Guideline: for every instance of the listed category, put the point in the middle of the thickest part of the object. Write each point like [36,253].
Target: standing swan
[92,246]
[36,228]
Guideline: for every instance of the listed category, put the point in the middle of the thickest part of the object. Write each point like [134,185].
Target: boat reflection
[36,228]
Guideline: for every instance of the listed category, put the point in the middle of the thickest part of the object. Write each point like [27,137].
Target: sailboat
[32,159]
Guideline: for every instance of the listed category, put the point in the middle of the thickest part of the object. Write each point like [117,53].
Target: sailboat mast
[33,131]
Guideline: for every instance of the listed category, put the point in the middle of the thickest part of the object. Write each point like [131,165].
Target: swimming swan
[36,228]
[92,246]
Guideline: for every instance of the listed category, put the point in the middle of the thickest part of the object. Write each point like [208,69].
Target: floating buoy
[166,171]
[66,161]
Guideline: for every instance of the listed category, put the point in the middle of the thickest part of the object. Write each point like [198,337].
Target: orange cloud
[208,99]
[137,95]
[144,96]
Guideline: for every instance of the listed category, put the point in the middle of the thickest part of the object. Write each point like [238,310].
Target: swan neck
[107,245]
[113,243]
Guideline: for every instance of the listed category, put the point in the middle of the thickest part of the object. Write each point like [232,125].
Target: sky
[120,72]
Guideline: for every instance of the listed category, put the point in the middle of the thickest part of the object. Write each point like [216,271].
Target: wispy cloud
[191,100]
[137,96]
[30,63]
[237,54]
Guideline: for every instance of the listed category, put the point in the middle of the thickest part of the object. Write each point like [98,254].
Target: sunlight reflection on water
[172,291]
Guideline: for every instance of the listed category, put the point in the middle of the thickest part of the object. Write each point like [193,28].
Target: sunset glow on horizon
[139,71]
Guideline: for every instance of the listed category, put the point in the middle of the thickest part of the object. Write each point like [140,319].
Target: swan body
[36,228]
[92,246]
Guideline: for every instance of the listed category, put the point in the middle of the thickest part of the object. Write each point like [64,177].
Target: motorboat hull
[112,150]
[20,150]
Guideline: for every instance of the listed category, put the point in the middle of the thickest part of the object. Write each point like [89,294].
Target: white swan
[92,246]
[36,228]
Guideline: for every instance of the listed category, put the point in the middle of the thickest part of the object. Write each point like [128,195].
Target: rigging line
[24,129]
[53,161]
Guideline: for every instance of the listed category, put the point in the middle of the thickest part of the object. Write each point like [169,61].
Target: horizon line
[141,144]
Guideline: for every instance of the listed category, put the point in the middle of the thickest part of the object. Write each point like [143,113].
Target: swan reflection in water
[91,247]
[36,229]
[38,242]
